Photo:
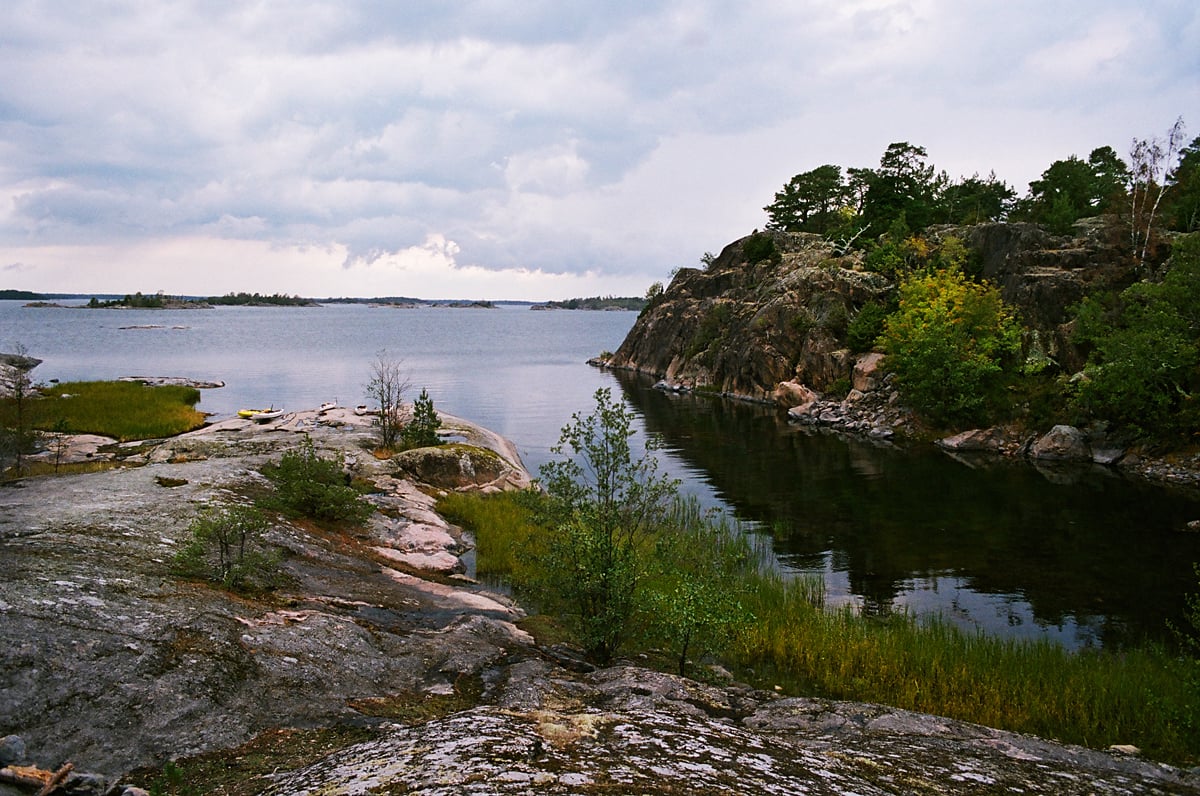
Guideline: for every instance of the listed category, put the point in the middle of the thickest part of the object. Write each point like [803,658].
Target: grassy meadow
[121,409]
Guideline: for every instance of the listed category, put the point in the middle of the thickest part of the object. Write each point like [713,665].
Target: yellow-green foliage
[121,409]
[952,344]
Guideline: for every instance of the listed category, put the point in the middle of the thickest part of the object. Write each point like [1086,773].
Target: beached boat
[261,415]
[325,407]
[360,410]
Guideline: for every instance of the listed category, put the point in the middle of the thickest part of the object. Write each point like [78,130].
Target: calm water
[1076,555]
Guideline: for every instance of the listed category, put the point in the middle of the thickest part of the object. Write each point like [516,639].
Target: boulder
[792,394]
[12,750]
[1062,443]
[867,374]
[454,467]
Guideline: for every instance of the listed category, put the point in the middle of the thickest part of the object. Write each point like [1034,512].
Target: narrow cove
[1075,554]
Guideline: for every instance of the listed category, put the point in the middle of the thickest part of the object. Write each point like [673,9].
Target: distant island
[159,301]
[260,300]
[20,295]
[632,303]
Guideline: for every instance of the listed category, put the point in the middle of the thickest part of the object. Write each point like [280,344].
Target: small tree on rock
[17,435]
[386,388]
[421,431]
[227,547]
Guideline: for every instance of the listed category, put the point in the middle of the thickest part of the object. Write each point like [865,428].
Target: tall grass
[1145,697]
[1094,698]
[503,526]
[125,410]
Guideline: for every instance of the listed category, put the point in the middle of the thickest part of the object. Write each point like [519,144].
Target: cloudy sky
[533,149]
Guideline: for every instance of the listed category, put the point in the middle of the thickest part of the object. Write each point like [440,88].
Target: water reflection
[1075,554]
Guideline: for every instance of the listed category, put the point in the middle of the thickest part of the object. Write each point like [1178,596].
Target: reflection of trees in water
[1099,550]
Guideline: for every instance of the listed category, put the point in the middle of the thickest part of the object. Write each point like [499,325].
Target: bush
[952,344]
[1144,370]
[866,325]
[713,328]
[758,247]
[307,485]
[227,547]
[604,507]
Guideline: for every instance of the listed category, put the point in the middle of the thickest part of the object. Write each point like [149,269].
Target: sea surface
[1077,555]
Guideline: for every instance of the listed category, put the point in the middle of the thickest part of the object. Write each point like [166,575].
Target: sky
[520,150]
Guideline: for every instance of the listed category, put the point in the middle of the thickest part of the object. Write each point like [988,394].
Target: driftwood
[34,777]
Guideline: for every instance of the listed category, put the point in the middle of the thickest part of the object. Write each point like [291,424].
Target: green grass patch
[121,409]
[503,527]
[1148,697]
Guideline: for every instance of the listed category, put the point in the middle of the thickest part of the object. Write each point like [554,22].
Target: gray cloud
[625,137]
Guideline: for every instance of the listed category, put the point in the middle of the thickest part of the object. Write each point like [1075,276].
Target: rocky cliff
[742,327]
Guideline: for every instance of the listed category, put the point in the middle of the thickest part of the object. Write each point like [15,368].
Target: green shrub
[713,328]
[604,507]
[952,344]
[307,485]
[1144,370]
[867,324]
[758,247]
[227,547]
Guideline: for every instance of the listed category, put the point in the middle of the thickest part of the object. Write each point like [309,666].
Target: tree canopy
[1156,187]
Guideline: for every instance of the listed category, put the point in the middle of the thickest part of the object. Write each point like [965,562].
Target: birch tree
[1150,162]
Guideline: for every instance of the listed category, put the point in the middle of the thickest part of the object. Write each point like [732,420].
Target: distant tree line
[599,303]
[259,299]
[137,300]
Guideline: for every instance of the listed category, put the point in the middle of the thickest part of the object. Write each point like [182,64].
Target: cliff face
[744,327]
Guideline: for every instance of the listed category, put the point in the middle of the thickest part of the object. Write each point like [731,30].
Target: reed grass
[120,409]
[503,527]
[1144,697]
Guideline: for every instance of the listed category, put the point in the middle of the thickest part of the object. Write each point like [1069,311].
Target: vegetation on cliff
[1089,281]
[952,345]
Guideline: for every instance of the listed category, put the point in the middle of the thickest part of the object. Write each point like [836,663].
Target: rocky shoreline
[382,665]
[873,410]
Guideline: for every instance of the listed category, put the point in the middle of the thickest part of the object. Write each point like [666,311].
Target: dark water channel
[1077,554]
